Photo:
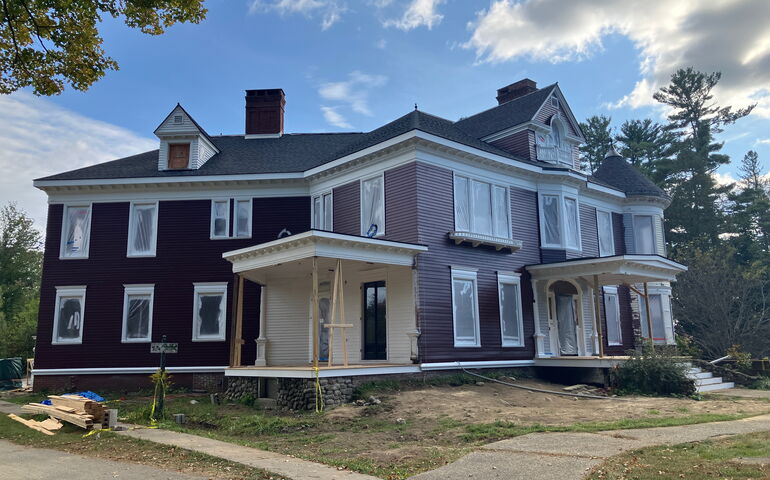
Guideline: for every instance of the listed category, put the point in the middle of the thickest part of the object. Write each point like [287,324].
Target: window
[142,229]
[644,234]
[76,230]
[220,218]
[69,314]
[660,311]
[209,310]
[178,155]
[509,297]
[177,119]
[481,207]
[465,308]
[555,102]
[322,211]
[137,313]
[373,207]
[559,222]
[605,234]
[612,315]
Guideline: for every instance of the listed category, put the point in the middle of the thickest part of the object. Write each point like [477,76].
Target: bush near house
[652,372]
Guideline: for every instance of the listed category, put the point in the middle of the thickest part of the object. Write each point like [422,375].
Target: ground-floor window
[612,315]
[209,311]
[465,308]
[509,297]
[137,313]
[69,315]
[660,311]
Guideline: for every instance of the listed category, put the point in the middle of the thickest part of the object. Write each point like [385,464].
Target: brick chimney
[515,90]
[264,112]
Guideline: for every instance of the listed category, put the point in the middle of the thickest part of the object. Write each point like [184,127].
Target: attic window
[177,119]
[555,102]
[178,155]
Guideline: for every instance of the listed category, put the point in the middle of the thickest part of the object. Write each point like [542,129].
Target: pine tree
[596,130]
[750,212]
[644,143]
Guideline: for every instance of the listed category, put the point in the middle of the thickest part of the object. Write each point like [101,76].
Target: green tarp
[11,373]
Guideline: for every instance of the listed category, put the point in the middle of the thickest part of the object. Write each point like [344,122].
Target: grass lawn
[717,459]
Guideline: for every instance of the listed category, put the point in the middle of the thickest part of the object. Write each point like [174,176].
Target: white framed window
[243,211]
[220,218]
[69,315]
[209,311]
[605,234]
[660,310]
[612,315]
[465,308]
[142,229]
[644,234]
[322,212]
[560,221]
[509,300]
[137,313]
[373,206]
[481,207]
[76,231]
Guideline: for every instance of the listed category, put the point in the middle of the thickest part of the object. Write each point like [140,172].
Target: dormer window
[178,156]
[177,119]
[553,146]
[555,102]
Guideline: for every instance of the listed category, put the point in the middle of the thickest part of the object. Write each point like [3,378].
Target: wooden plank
[30,423]
[65,409]
[51,424]
[342,320]
[239,324]
[83,421]
[334,312]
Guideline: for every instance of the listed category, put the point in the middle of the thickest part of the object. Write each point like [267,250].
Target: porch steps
[706,381]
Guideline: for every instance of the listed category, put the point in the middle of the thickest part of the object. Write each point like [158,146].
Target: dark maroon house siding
[520,143]
[435,206]
[401,204]
[619,234]
[548,111]
[185,254]
[347,209]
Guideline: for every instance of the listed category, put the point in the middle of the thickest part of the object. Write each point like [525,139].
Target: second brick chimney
[515,90]
[264,112]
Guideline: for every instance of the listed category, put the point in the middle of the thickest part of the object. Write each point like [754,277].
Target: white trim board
[478,364]
[289,372]
[123,370]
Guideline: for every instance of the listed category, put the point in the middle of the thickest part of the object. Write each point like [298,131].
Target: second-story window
[220,218]
[222,210]
[142,229]
[322,211]
[373,206]
[604,233]
[481,207]
[644,234]
[76,230]
[242,228]
[559,222]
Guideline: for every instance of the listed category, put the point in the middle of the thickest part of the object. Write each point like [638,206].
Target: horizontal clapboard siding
[347,208]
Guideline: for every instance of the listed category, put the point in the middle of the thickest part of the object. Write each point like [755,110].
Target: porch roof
[615,270]
[319,243]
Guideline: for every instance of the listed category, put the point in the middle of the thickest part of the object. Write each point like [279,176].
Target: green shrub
[652,373]
[761,384]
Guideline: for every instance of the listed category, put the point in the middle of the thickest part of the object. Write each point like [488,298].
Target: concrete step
[698,375]
[694,370]
[715,386]
[708,381]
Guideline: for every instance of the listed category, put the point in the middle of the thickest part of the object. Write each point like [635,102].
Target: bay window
[76,231]
[509,298]
[612,316]
[481,207]
[137,313]
[605,233]
[465,308]
[322,211]
[644,234]
[373,206]
[209,310]
[142,229]
[559,222]
[69,315]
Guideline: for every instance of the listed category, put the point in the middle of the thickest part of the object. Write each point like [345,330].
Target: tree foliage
[598,135]
[46,44]
[645,143]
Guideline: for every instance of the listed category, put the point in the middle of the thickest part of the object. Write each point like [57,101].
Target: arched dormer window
[557,132]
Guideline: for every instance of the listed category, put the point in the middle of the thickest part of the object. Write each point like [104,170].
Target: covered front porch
[340,303]
[580,313]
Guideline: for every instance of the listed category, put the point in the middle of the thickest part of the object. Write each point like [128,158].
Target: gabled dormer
[184,145]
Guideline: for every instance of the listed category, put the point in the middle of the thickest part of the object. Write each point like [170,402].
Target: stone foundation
[242,388]
[299,393]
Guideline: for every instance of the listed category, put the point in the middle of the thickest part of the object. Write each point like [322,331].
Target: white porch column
[261,360]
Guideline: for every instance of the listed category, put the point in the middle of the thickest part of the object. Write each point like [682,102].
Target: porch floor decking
[324,371]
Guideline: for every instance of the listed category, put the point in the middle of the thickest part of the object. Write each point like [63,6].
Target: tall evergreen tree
[750,212]
[596,130]
[694,218]
[644,143]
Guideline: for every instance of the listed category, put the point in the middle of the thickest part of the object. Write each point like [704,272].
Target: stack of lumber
[48,426]
[73,409]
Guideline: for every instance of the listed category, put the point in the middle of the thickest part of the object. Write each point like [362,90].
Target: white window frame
[613,291]
[136,290]
[510,278]
[463,273]
[365,229]
[154,243]
[611,252]
[63,242]
[322,216]
[203,288]
[70,291]
[653,220]
[212,236]
[666,314]
[562,221]
[235,216]
[472,218]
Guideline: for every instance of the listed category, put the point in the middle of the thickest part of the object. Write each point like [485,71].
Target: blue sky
[355,65]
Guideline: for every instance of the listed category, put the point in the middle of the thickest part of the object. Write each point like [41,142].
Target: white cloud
[353,92]
[381,44]
[729,36]
[724,178]
[763,141]
[419,13]
[40,139]
[330,11]
[333,117]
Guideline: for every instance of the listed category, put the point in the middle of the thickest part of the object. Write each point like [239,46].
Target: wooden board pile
[74,409]
[48,426]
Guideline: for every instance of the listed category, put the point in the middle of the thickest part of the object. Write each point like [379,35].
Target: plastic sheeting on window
[70,318]
[612,314]
[373,208]
[221,214]
[317,213]
[462,205]
[565,315]
[604,229]
[138,317]
[644,234]
[243,218]
[658,320]
[210,314]
[500,212]
[77,231]
[551,229]
[464,311]
[571,214]
[143,224]
[509,313]
[482,208]
[327,211]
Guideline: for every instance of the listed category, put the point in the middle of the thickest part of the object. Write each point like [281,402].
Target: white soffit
[614,270]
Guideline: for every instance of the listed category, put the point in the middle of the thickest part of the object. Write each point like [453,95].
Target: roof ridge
[539,90]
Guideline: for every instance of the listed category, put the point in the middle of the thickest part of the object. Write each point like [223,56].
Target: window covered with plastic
[604,232]
[509,295]
[481,207]
[210,310]
[142,229]
[373,207]
[76,231]
[551,220]
[465,309]
[220,219]
[243,218]
[612,315]
[322,211]
[644,234]
[69,315]
[137,313]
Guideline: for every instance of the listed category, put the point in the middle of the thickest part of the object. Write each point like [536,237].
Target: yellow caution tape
[319,398]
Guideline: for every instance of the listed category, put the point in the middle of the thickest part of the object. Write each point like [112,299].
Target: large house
[428,244]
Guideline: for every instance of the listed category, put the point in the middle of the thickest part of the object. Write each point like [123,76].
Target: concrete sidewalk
[291,467]
[8,407]
[569,456]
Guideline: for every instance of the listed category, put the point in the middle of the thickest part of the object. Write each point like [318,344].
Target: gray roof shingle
[616,172]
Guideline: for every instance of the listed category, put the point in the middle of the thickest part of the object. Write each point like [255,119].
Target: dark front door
[374,321]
